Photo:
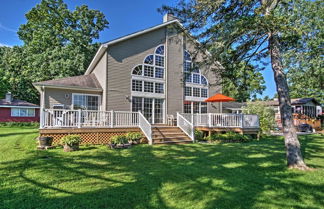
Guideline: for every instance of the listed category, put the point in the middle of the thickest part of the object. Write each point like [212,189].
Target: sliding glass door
[152,109]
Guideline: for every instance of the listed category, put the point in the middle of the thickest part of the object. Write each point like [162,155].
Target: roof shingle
[82,81]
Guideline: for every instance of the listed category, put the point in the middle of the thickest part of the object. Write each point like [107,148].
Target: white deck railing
[186,126]
[223,120]
[52,118]
[145,126]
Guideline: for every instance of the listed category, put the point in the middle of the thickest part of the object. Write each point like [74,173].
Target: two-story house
[157,71]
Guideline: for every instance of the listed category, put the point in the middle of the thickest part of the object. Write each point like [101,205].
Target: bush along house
[15,110]
[148,81]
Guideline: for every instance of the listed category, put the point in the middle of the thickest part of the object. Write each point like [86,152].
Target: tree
[253,28]
[241,81]
[57,43]
[266,115]
[303,60]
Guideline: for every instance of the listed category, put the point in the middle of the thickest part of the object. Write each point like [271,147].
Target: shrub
[266,115]
[19,124]
[199,135]
[134,136]
[119,139]
[71,140]
[229,137]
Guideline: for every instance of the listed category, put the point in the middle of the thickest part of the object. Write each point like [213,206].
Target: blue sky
[124,16]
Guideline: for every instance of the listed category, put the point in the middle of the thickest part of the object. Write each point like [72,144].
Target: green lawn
[250,175]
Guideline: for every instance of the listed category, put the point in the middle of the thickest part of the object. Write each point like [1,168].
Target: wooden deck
[88,135]
[224,130]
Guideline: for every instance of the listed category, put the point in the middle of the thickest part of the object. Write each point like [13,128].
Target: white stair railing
[145,126]
[186,126]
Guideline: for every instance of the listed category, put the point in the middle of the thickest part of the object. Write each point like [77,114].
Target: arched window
[192,73]
[137,70]
[160,50]
[187,56]
[152,68]
[203,80]
[149,60]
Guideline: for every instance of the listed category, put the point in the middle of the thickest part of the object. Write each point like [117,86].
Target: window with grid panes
[148,86]
[196,92]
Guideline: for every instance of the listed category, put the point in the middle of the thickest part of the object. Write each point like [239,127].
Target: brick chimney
[168,17]
[9,97]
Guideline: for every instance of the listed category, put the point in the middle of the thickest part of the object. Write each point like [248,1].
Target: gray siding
[122,58]
[175,94]
[62,96]
[101,74]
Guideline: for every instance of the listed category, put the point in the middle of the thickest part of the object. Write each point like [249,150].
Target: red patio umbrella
[219,98]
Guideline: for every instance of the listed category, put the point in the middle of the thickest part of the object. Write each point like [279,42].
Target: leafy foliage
[229,137]
[19,124]
[119,139]
[71,140]
[134,136]
[57,43]
[303,59]
[199,135]
[266,115]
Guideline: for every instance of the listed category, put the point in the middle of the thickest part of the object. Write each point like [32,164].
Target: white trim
[195,99]
[25,116]
[102,49]
[99,100]
[142,32]
[70,87]
[14,106]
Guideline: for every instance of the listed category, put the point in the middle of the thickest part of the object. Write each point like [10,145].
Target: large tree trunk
[294,156]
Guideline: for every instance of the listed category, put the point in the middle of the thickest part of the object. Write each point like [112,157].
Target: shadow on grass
[249,175]
[16,134]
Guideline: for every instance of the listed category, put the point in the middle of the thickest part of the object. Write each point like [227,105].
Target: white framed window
[148,86]
[203,107]
[196,78]
[160,50]
[137,85]
[85,101]
[159,60]
[188,91]
[159,72]
[196,92]
[149,59]
[204,93]
[58,106]
[203,80]
[149,75]
[148,71]
[194,107]
[138,70]
[22,112]
[159,88]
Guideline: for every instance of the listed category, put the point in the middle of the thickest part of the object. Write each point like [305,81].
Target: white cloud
[1,44]
[2,27]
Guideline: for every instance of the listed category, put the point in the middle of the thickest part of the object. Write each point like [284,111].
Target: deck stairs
[163,134]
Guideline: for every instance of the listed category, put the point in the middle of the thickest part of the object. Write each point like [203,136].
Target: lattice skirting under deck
[88,135]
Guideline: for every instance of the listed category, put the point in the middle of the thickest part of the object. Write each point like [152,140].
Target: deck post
[209,120]
[79,118]
[242,118]
[112,119]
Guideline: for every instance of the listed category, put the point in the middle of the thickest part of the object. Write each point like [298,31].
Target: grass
[249,175]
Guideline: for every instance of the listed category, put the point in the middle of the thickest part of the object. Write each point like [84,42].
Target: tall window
[192,73]
[85,101]
[194,107]
[153,67]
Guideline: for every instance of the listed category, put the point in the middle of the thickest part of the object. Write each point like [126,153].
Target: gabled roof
[16,103]
[104,46]
[83,81]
